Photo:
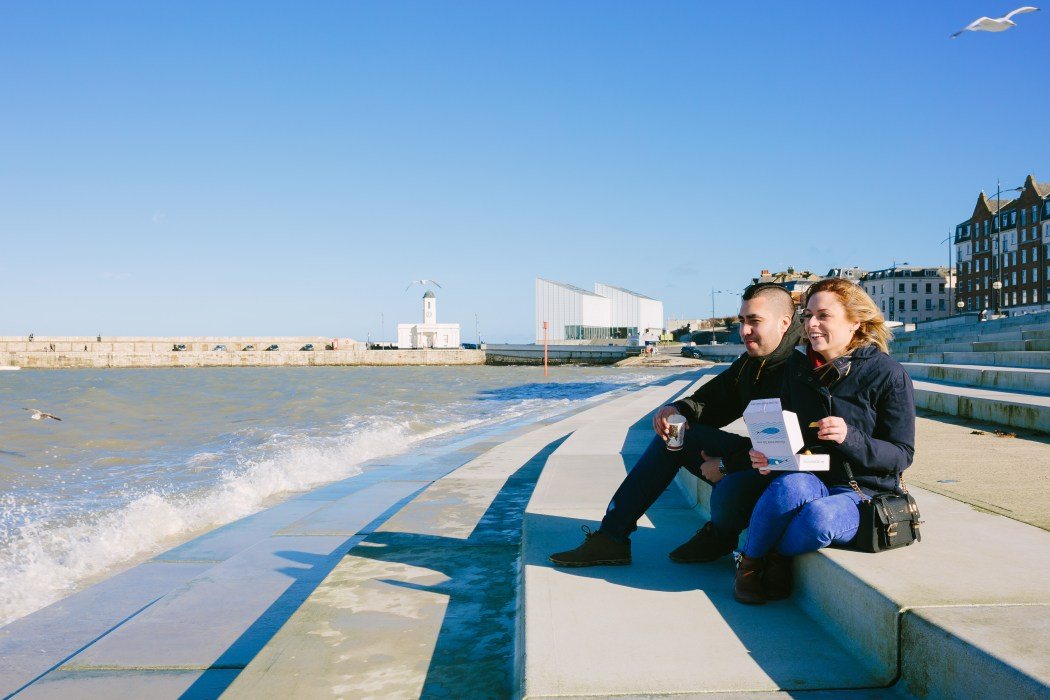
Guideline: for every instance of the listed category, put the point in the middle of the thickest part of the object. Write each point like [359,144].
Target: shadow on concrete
[473,654]
[306,579]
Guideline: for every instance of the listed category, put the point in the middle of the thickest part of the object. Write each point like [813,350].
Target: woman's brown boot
[747,588]
[778,578]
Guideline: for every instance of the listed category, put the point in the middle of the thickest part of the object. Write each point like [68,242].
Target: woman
[855,403]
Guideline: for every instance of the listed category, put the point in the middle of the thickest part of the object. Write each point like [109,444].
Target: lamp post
[997,229]
[997,286]
[951,240]
[893,276]
[713,292]
[960,305]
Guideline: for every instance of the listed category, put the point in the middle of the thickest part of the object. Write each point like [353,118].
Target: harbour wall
[557,354]
[142,354]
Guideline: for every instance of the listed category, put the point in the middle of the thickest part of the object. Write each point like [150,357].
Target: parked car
[271,348]
[469,346]
[219,348]
[248,347]
[308,347]
[691,351]
[178,347]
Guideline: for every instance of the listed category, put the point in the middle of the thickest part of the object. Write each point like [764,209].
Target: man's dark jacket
[877,401]
[722,400]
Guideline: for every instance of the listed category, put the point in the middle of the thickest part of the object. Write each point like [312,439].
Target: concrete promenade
[427,576]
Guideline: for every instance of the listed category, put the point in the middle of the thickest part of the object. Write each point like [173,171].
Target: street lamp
[960,305]
[713,292]
[997,228]
[951,240]
[893,276]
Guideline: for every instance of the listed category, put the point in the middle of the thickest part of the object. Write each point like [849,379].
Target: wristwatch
[721,466]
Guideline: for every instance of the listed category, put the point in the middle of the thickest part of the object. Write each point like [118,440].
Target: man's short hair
[775,293]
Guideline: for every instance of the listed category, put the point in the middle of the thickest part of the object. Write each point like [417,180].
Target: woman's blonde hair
[859,309]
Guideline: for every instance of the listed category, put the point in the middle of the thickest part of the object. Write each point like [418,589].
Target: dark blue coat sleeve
[891,446]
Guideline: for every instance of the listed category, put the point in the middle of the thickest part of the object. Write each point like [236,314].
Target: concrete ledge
[1025,411]
[1003,378]
[978,652]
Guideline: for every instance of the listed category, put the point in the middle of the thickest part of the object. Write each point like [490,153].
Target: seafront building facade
[575,315]
[429,333]
[1003,252]
[910,293]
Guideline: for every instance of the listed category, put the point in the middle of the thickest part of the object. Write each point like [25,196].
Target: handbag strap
[853,482]
[856,487]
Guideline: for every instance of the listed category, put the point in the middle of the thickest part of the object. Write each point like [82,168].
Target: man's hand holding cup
[670,425]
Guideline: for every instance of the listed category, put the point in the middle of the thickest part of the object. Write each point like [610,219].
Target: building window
[1024,256]
[1024,296]
[940,304]
[929,304]
[929,288]
[900,288]
[914,304]
[914,288]
[900,305]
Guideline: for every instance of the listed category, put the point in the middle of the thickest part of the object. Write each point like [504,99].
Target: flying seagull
[40,415]
[422,282]
[1001,24]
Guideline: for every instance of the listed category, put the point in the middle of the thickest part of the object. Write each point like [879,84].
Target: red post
[544,348]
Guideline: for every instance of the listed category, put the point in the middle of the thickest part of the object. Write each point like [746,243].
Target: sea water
[144,459]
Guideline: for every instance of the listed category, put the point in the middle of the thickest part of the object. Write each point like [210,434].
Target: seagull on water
[1000,24]
[422,282]
[40,415]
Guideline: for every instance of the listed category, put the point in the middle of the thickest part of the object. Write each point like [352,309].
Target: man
[770,330]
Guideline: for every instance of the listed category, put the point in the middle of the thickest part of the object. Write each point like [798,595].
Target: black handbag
[887,520]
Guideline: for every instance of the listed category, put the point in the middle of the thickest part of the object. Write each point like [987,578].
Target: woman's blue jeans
[798,514]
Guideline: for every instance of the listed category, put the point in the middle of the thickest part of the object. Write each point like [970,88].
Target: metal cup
[676,432]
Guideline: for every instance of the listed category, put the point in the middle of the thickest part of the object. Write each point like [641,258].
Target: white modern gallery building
[574,315]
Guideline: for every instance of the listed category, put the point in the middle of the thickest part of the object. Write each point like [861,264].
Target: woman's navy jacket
[877,401]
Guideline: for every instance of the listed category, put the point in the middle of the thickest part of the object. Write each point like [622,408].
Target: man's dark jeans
[734,495]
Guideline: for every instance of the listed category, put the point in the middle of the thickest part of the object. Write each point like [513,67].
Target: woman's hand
[759,461]
[832,428]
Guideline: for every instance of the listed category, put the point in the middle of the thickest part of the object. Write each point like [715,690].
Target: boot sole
[582,564]
[750,601]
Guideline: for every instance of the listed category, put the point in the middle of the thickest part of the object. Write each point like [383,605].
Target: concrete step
[1034,359]
[583,630]
[1030,381]
[1011,346]
[1006,408]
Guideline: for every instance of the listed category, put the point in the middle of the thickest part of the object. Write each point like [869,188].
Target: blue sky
[287,168]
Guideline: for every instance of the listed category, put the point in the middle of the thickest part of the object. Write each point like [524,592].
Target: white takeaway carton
[776,434]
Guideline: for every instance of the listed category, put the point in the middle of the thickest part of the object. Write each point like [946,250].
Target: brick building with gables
[1006,241]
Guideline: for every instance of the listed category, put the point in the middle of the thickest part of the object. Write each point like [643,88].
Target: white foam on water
[43,559]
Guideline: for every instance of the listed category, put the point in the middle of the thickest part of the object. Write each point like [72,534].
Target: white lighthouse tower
[430,333]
